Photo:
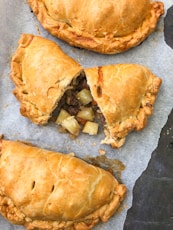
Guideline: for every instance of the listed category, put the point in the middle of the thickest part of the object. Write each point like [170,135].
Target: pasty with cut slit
[41,189]
[122,96]
[105,26]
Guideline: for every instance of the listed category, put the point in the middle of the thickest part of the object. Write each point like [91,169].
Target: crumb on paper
[71,154]
[102,152]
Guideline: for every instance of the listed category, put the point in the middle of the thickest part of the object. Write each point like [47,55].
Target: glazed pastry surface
[41,72]
[105,26]
[125,94]
[50,190]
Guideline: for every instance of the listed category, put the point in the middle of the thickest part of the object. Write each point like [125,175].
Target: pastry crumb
[102,152]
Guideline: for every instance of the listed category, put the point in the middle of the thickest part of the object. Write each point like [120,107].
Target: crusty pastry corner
[41,189]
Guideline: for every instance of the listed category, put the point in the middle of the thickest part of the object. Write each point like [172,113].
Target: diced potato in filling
[91,128]
[84,96]
[78,110]
[86,113]
[71,124]
[62,116]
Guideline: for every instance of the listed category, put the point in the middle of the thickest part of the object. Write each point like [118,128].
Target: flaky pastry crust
[41,72]
[102,26]
[41,189]
[125,94]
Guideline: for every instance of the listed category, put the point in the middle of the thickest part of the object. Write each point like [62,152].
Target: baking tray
[17,18]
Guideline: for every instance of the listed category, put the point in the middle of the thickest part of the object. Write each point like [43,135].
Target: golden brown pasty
[41,189]
[41,72]
[105,26]
[124,94]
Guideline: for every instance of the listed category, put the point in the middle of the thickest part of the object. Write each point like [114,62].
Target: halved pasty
[41,72]
[105,26]
[120,96]
[125,95]
[41,189]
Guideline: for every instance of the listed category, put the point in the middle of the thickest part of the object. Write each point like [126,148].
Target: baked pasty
[105,26]
[41,189]
[122,95]
[125,95]
[41,72]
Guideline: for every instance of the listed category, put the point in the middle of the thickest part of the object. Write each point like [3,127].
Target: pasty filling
[77,110]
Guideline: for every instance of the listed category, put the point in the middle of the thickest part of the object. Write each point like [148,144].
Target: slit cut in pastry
[102,26]
[41,189]
[121,95]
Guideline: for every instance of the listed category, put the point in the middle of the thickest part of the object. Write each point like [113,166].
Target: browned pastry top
[41,72]
[50,190]
[105,26]
[125,94]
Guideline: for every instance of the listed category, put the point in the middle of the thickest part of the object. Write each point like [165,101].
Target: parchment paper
[16,18]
